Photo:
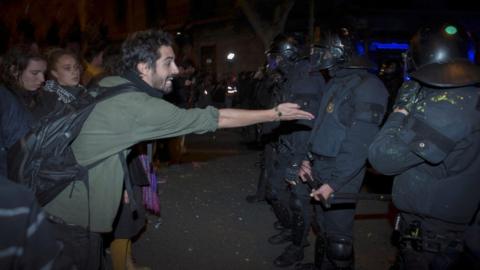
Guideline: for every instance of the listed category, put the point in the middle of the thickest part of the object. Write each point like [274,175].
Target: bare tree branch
[266,31]
[254,20]
[281,13]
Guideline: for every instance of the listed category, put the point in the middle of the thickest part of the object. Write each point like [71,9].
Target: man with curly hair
[117,123]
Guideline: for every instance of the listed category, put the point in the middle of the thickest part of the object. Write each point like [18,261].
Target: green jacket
[114,125]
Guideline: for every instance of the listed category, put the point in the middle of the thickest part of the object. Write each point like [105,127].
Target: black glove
[291,174]
[407,95]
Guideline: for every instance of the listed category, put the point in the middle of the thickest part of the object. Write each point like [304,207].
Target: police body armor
[303,88]
[307,90]
[352,95]
[444,131]
[350,113]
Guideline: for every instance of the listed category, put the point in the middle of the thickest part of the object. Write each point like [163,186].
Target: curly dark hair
[14,62]
[143,47]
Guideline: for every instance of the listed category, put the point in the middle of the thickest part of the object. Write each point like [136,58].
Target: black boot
[282,213]
[290,256]
[283,237]
[319,256]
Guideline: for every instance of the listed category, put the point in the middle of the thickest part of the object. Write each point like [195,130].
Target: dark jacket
[15,123]
[55,96]
[27,238]
[435,153]
[348,120]
[306,89]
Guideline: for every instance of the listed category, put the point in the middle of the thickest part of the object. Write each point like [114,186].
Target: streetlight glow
[230,56]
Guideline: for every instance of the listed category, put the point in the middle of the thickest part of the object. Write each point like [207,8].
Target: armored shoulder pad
[439,121]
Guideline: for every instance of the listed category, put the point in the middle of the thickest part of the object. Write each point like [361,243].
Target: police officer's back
[431,142]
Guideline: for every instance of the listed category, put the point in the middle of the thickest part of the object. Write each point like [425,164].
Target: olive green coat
[114,125]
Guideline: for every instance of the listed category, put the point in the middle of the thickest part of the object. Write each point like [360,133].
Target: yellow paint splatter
[445,97]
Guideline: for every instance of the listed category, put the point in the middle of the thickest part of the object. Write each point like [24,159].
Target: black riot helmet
[440,56]
[336,48]
[284,51]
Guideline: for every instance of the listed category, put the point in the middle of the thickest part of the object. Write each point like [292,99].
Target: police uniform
[348,120]
[304,88]
[434,150]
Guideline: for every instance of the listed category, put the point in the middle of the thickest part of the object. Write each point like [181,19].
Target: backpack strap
[128,182]
[116,90]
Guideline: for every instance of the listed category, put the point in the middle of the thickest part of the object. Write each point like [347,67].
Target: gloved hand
[305,172]
[407,96]
[291,174]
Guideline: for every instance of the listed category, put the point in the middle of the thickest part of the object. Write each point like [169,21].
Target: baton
[343,197]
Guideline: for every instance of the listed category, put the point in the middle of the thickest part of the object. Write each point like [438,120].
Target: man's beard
[165,86]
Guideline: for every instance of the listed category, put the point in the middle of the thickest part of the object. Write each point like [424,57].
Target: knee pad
[340,251]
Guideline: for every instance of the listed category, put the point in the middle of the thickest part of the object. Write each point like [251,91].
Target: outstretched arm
[230,118]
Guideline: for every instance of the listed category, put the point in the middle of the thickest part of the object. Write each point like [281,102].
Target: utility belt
[412,235]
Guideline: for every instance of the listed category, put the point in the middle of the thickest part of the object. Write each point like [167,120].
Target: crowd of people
[120,112]
[345,118]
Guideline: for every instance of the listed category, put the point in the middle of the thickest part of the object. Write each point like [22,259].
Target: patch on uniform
[330,106]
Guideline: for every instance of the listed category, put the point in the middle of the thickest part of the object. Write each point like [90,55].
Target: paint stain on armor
[421,106]
[330,107]
[446,97]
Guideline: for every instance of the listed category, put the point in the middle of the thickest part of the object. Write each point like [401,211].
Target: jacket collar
[142,85]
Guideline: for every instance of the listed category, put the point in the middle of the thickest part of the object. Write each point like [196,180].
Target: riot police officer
[431,142]
[349,117]
[301,86]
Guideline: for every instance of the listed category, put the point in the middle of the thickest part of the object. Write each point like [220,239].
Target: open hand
[291,111]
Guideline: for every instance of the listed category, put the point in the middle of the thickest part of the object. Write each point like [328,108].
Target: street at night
[207,224]
[239,135]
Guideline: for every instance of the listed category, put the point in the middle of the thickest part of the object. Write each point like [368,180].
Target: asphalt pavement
[206,224]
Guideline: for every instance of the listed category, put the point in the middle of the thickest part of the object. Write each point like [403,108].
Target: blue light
[471,55]
[360,48]
[388,46]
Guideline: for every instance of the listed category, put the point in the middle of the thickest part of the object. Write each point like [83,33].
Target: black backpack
[43,159]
